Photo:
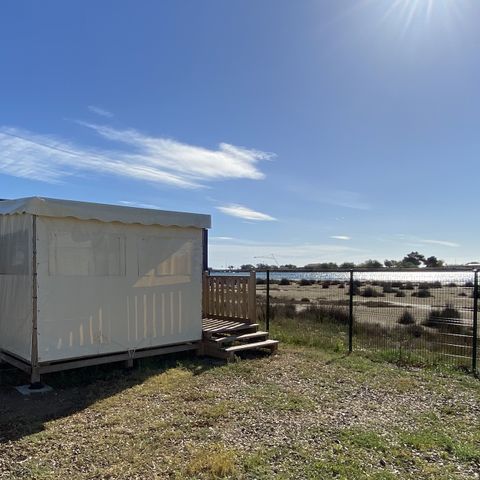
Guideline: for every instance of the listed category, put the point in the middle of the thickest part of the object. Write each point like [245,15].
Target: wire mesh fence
[425,316]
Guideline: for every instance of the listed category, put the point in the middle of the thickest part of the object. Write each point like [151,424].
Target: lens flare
[423,12]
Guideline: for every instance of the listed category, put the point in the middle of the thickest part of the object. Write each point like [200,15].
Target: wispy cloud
[443,243]
[345,198]
[340,237]
[329,196]
[418,241]
[246,213]
[137,156]
[138,204]
[100,111]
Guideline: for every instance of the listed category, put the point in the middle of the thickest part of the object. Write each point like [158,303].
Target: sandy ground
[384,309]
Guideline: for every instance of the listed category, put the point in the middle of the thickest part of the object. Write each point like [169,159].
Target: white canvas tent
[99,282]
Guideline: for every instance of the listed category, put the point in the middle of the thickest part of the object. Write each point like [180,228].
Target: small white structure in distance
[85,283]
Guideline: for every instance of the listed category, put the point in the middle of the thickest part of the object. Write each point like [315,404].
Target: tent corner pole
[35,369]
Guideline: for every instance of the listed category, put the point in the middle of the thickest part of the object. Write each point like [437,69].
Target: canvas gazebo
[85,283]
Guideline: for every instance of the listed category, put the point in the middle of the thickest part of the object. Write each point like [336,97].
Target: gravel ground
[301,414]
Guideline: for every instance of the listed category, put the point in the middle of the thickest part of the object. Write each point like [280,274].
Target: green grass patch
[367,439]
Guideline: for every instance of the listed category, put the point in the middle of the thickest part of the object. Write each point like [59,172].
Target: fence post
[475,322]
[267,304]
[350,315]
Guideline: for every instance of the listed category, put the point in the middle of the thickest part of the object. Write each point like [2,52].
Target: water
[459,277]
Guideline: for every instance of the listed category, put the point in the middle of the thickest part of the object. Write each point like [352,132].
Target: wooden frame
[40,368]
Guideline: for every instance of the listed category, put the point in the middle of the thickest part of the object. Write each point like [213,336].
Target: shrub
[305,300]
[469,284]
[400,293]
[286,311]
[387,288]
[261,281]
[284,281]
[452,285]
[462,294]
[448,319]
[371,292]
[377,304]
[341,285]
[322,314]
[406,318]
[409,286]
[415,330]
[422,293]
[355,288]
[276,311]
[437,284]
[325,284]
[304,282]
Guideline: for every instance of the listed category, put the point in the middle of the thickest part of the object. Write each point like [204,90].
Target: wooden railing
[230,297]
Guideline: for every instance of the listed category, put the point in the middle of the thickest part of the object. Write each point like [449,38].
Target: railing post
[205,295]
[350,315]
[267,303]
[252,298]
[475,322]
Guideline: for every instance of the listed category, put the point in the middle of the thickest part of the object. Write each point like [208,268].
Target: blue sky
[311,130]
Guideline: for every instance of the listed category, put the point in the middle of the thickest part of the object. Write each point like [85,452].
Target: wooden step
[241,338]
[272,344]
[244,327]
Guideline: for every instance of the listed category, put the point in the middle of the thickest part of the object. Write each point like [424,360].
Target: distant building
[472,264]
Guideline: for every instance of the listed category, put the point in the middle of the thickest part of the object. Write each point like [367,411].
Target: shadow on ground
[75,390]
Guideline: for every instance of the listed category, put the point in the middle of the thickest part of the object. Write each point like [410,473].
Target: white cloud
[221,238]
[340,237]
[191,161]
[137,156]
[100,111]
[246,213]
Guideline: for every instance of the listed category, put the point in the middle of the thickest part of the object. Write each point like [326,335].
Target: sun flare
[424,11]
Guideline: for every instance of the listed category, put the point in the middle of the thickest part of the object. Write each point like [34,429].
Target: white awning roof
[50,207]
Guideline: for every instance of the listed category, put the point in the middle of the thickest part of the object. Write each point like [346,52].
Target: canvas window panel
[15,252]
[86,253]
[160,256]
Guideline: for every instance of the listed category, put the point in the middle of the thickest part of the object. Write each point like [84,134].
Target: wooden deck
[230,312]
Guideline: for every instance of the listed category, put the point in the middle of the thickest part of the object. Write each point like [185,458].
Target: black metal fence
[421,315]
